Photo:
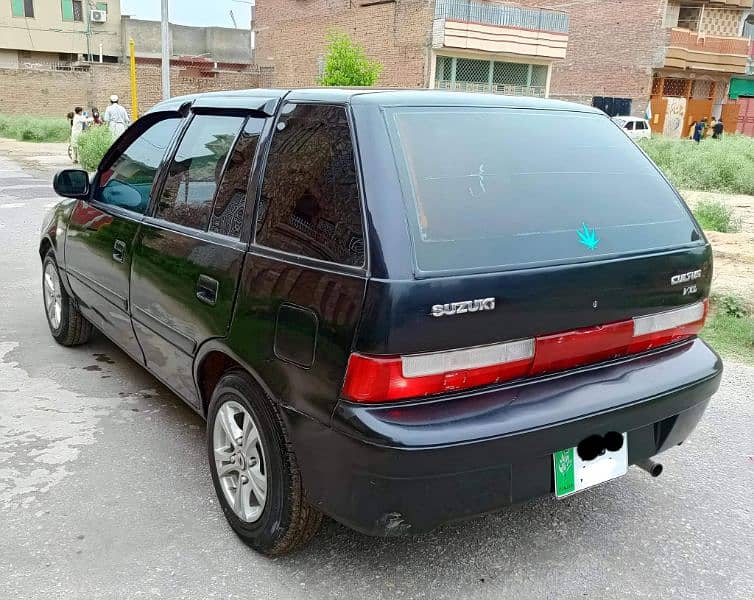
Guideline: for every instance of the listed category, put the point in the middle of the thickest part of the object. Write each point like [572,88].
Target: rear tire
[67,325]
[254,469]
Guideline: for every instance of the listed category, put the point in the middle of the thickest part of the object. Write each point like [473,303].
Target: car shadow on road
[539,532]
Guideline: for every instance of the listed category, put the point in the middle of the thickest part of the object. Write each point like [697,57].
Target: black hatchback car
[395,308]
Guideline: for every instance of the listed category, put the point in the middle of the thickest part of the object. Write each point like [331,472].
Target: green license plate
[572,474]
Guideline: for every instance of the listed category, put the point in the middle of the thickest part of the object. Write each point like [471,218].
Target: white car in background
[634,127]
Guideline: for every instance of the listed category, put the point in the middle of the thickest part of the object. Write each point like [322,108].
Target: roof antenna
[233,18]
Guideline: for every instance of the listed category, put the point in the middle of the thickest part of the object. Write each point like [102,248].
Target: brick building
[454,44]
[681,54]
[617,55]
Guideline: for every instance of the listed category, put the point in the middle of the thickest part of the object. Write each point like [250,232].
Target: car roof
[381,97]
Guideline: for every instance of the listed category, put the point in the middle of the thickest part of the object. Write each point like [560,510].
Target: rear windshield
[508,188]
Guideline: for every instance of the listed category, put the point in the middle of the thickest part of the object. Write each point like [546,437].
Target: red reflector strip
[581,347]
[386,379]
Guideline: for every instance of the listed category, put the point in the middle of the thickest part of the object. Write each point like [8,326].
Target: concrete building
[36,32]
[452,44]
[219,44]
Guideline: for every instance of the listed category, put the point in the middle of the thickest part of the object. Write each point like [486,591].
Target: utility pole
[165,30]
[88,31]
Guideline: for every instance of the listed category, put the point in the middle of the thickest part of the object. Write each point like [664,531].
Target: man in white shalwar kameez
[116,117]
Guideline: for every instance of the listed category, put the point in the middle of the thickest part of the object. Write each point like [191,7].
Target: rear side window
[196,169]
[506,188]
[310,196]
[227,213]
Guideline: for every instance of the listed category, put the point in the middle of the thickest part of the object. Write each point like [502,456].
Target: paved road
[104,491]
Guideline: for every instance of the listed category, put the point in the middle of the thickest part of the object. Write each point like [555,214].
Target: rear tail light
[387,379]
[373,379]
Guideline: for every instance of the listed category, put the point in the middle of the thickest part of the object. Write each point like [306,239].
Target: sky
[192,12]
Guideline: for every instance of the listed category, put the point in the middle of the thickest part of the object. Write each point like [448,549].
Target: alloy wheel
[52,295]
[240,461]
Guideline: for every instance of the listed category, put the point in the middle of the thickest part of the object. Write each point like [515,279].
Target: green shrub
[346,63]
[34,129]
[729,305]
[725,165]
[729,329]
[714,215]
[93,143]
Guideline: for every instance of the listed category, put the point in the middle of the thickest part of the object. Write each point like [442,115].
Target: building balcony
[480,26]
[733,3]
[691,50]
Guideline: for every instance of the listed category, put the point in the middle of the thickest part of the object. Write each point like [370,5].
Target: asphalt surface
[105,491]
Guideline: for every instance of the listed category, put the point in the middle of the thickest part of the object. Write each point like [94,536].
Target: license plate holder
[572,474]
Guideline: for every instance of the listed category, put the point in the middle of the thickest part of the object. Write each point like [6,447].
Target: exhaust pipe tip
[651,467]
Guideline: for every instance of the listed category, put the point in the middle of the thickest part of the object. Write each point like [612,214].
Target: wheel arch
[212,361]
[45,245]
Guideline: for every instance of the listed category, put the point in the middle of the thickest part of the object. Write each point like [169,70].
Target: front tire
[67,325]
[254,469]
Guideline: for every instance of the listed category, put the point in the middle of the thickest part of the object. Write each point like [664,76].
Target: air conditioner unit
[97,16]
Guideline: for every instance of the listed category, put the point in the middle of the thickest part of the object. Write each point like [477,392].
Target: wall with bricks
[611,51]
[54,93]
[290,35]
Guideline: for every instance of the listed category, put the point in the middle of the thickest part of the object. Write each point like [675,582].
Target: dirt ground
[734,252]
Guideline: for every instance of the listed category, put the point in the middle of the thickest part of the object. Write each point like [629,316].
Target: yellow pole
[134,99]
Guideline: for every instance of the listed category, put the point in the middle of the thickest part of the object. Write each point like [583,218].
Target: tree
[346,63]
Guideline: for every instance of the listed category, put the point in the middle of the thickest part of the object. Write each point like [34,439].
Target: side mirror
[71,183]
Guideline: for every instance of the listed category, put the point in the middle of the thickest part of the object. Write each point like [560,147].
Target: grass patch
[713,215]
[725,165]
[93,143]
[35,129]
[729,329]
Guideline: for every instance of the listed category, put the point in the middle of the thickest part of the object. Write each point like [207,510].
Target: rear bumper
[408,468]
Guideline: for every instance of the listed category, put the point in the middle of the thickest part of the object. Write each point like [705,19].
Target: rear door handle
[119,251]
[206,289]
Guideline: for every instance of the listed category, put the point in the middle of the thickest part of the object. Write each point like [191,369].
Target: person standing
[699,131]
[116,117]
[78,124]
[717,130]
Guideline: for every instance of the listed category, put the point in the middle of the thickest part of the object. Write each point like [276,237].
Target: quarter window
[128,182]
[227,213]
[196,169]
[310,197]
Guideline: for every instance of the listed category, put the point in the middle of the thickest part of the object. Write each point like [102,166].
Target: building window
[22,8]
[72,10]
[498,77]
[102,6]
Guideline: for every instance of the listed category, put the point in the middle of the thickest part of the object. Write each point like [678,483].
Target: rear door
[303,283]
[188,254]
[102,229]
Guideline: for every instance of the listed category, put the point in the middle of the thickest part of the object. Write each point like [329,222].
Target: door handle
[119,251]
[206,289]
